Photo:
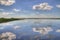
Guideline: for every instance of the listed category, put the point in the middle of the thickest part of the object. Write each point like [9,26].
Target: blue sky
[29,8]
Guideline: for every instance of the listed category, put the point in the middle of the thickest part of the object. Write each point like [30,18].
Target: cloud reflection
[43,30]
[7,36]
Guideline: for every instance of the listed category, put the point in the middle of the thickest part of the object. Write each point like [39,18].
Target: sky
[30,8]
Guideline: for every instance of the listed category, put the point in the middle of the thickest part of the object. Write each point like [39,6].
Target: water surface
[33,29]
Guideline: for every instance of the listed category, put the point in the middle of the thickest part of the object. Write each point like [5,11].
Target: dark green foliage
[7,19]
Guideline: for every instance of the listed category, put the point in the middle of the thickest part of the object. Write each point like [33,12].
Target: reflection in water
[32,29]
[17,27]
[7,36]
[58,30]
[43,30]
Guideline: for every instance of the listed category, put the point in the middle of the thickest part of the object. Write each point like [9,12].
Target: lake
[31,29]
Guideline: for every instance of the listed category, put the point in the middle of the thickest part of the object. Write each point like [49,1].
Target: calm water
[33,29]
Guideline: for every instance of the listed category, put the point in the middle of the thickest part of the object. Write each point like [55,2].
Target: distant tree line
[7,19]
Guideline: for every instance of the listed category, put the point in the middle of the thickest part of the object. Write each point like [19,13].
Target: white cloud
[7,36]
[42,6]
[33,15]
[16,10]
[43,31]
[7,2]
[58,6]
[5,13]
[15,14]
[44,16]
[58,30]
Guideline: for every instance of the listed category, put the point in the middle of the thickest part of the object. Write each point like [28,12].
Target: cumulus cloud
[7,2]
[5,14]
[44,30]
[16,10]
[58,6]
[58,30]
[7,36]
[42,6]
